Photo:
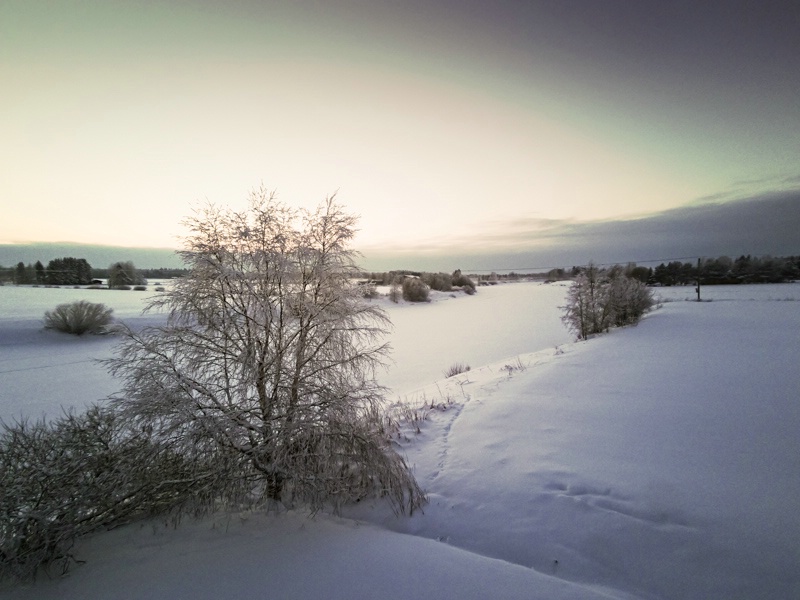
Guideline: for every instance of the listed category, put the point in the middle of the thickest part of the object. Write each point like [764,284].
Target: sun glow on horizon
[117,119]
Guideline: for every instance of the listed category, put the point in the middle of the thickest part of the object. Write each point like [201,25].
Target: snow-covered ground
[655,462]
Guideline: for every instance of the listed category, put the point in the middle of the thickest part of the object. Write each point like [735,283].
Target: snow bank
[288,556]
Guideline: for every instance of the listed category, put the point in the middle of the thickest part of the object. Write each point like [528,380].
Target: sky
[489,132]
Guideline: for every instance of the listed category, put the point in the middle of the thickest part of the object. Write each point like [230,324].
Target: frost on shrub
[79,317]
[599,300]
[415,290]
[63,479]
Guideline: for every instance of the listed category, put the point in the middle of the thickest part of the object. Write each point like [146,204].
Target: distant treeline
[724,270]
[77,271]
[710,271]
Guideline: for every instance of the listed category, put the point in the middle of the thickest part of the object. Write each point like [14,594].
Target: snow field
[654,462]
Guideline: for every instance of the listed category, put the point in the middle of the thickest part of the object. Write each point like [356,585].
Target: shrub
[395,293]
[438,281]
[629,299]
[80,473]
[598,300]
[456,369]
[415,290]
[464,282]
[79,317]
[140,288]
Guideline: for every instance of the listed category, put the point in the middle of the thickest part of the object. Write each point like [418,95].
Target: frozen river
[41,371]
[499,322]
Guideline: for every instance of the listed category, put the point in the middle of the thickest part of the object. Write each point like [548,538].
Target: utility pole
[697,289]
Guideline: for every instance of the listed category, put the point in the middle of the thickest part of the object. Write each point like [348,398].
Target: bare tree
[587,311]
[268,358]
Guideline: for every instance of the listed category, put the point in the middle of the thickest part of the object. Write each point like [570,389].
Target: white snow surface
[654,462]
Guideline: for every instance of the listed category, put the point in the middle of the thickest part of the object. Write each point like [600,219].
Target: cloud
[765,224]
[759,225]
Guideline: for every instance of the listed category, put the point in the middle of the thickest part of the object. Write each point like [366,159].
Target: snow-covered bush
[79,317]
[628,298]
[415,290]
[441,282]
[63,479]
[599,300]
[464,282]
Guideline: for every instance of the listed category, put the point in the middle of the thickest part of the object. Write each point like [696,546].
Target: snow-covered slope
[659,460]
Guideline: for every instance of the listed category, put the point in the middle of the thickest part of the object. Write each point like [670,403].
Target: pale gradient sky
[441,123]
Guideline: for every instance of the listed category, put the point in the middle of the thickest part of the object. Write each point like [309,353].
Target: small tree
[23,274]
[267,359]
[124,274]
[586,311]
[40,273]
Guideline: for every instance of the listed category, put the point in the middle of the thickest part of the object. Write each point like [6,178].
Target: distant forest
[77,271]
[710,271]
[723,270]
